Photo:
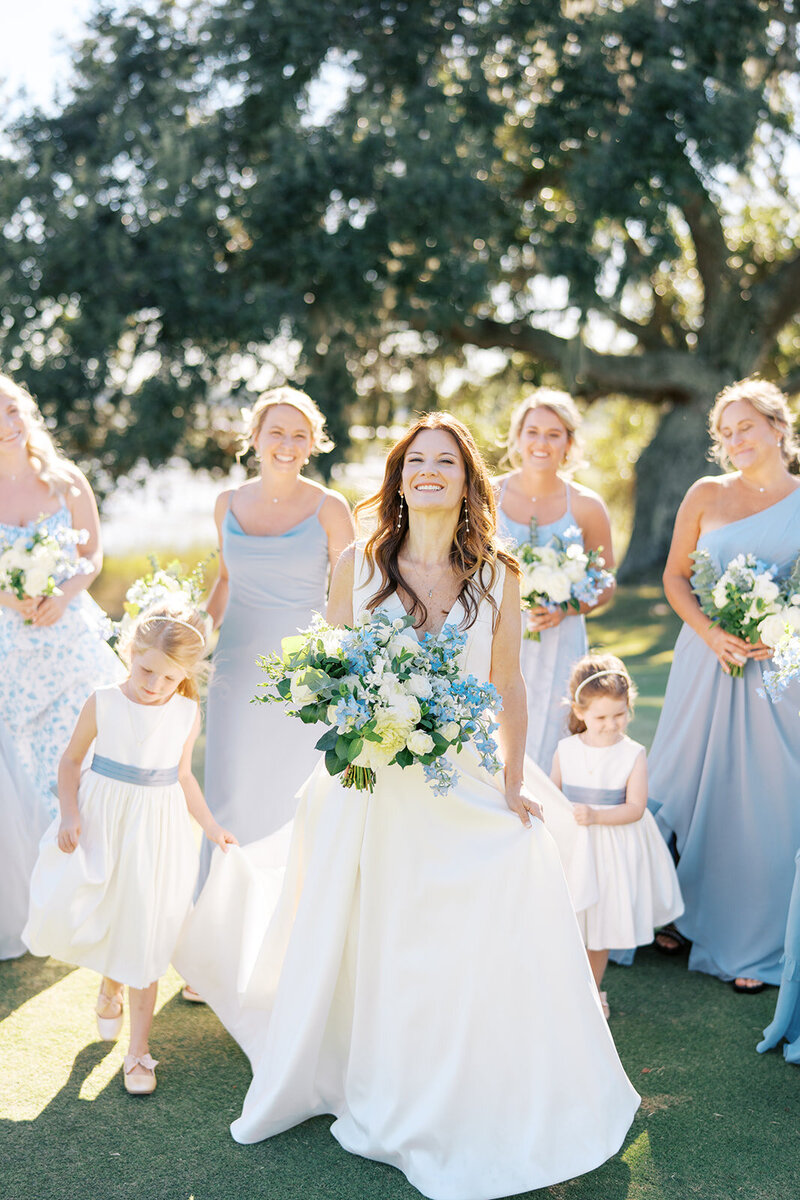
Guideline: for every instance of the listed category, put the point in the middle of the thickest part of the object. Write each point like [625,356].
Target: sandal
[604,1005]
[139,1085]
[748,987]
[671,941]
[188,993]
[108,1027]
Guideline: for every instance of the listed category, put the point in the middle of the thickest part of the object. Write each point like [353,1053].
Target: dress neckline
[149,707]
[749,517]
[311,517]
[527,525]
[35,520]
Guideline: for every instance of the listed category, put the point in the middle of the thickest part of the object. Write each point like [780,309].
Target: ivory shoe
[139,1084]
[188,993]
[604,1005]
[109,1026]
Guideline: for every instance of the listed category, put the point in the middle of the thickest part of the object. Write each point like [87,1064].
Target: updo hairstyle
[597,675]
[766,398]
[254,419]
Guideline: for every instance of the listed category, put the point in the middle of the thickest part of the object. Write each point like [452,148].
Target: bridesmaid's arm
[337,521]
[83,511]
[513,718]
[218,596]
[677,577]
[340,597]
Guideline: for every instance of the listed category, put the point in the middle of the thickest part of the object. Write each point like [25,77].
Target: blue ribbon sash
[141,776]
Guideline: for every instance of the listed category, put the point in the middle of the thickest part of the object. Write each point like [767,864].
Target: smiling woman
[278,535]
[725,764]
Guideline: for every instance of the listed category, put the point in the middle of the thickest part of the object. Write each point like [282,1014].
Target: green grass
[718,1121]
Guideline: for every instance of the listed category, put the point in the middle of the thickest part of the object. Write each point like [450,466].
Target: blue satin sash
[593,795]
[141,776]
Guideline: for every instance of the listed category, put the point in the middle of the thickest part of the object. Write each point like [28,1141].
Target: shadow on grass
[25,977]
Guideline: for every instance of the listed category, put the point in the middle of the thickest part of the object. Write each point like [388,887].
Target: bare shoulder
[78,484]
[585,501]
[706,492]
[334,504]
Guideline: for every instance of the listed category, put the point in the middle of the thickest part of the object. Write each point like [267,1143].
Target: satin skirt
[418,972]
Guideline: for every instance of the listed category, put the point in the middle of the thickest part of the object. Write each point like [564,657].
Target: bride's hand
[520,801]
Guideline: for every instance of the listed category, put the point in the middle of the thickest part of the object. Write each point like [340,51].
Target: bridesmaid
[52,650]
[725,765]
[278,536]
[541,439]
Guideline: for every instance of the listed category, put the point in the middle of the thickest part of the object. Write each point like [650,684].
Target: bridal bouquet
[386,697]
[561,574]
[742,599]
[34,563]
[159,586]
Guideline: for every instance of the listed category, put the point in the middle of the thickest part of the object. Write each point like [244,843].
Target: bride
[418,972]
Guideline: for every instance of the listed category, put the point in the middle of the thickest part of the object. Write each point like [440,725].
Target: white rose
[575,569]
[548,556]
[36,580]
[376,754]
[450,731]
[403,710]
[719,594]
[792,618]
[766,588]
[300,693]
[420,686]
[403,641]
[560,588]
[419,742]
[771,629]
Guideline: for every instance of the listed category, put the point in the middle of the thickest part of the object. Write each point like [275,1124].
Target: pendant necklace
[436,581]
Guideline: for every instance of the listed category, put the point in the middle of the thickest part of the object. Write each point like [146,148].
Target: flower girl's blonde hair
[593,676]
[180,632]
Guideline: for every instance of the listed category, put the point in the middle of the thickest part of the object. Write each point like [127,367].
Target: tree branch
[710,248]
[778,298]
[654,375]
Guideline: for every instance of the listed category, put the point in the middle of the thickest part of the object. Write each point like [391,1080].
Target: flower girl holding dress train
[603,773]
[115,876]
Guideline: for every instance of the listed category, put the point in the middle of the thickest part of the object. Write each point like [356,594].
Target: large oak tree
[602,189]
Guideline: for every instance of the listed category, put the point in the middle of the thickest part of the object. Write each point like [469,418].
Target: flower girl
[604,775]
[114,880]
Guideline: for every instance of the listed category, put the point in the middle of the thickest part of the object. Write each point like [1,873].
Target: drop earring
[400,512]
[466,516]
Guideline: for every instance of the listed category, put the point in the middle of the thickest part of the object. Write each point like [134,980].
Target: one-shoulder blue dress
[725,779]
[256,756]
[546,664]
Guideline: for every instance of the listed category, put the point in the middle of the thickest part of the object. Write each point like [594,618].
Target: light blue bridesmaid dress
[256,756]
[546,665]
[725,779]
[786,1022]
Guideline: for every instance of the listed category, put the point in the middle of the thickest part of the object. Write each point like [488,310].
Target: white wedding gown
[418,972]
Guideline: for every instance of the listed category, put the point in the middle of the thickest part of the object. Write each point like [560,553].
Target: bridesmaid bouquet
[386,697]
[785,662]
[34,563]
[159,586]
[742,599]
[561,574]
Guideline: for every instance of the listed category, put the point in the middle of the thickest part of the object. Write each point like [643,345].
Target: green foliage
[236,191]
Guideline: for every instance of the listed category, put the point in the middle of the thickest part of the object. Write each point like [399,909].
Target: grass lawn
[717,1122]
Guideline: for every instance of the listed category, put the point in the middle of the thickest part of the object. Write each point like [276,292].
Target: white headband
[176,621]
[599,675]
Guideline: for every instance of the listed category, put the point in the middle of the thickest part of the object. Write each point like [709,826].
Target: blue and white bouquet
[386,697]
[781,631]
[742,599]
[160,586]
[562,574]
[34,563]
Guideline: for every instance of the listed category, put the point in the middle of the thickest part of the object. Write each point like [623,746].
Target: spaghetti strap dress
[419,974]
[546,664]
[256,756]
[725,780]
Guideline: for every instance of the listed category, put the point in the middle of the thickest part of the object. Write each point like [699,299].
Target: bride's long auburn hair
[475,551]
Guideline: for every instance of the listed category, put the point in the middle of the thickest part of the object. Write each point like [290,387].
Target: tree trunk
[675,458]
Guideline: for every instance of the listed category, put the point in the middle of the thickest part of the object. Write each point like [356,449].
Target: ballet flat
[109,1027]
[139,1085]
